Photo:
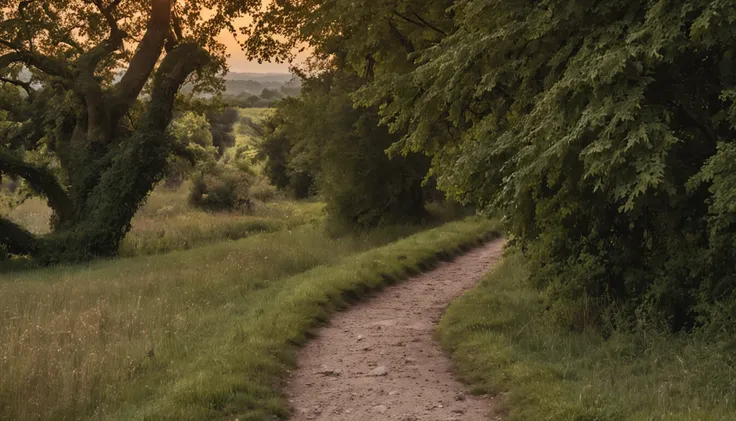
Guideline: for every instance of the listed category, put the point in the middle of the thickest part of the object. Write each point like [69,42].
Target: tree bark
[48,65]
[145,58]
[136,166]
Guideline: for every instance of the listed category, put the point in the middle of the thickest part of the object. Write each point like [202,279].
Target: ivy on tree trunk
[108,168]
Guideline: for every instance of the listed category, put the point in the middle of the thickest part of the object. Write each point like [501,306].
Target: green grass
[246,139]
[194,335]
[33,214]
[167,223]
[503,344]
[257,114]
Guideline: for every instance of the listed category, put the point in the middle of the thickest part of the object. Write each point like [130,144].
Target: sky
[238,62]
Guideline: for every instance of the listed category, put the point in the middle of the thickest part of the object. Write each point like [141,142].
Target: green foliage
[263,191]
[601,131]
[322,137]
[192,133]
[271,94]
[289,165]
[222,122]
[222,188]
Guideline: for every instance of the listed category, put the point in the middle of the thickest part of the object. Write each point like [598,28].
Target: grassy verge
[503,344]
[195,335]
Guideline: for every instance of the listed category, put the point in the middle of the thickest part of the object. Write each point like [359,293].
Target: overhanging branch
[42,181]
[17,240]
[421,23]
[19,83]
[48,65]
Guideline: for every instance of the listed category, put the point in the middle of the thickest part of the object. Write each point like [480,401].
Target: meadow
[201,321]
[175,277]
[167,222]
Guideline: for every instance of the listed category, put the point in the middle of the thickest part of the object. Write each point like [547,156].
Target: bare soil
[378,360]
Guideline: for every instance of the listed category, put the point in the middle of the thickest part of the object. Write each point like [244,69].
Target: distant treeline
[250,90]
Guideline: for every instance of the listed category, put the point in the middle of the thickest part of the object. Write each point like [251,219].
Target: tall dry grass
[79,342]
[166,222]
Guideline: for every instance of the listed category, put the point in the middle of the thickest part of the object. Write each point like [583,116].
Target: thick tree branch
[170,76]
[48,65]
[42,181]
[17,240]
[145,58]
[19,83]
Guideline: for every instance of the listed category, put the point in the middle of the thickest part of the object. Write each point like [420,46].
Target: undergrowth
[504,344]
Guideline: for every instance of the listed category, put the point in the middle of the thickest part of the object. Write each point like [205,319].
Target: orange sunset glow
[239,63]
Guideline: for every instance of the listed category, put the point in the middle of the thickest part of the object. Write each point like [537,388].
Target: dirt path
[378,360]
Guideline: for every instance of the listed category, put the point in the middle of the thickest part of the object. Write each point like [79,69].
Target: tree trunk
[16,240]
[130,170]
[135,166]
[108,171]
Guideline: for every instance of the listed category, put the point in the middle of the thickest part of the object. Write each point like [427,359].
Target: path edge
[362,290]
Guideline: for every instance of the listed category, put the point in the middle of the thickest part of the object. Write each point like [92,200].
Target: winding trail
[378,360]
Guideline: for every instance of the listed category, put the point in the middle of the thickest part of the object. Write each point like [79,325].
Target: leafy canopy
[603,132]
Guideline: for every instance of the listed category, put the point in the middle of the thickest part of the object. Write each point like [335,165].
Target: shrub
[322,137]
[193,134]
[263,191]
[221,189]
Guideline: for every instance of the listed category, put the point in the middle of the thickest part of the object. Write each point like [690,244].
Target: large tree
[603,131]
[88,90]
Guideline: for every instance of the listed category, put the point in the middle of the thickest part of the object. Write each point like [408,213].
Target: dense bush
[602,131]
[193,135]
[322,138]
[222,188]
[222,122]
[288,164]
[263,191]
